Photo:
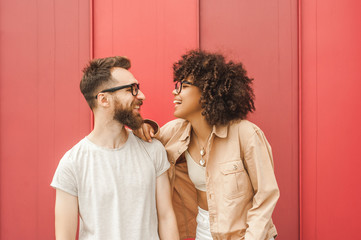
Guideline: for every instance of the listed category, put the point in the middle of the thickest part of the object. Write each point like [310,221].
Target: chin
[177,115]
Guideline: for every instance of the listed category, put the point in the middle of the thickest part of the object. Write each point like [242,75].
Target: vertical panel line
[78,51]
[54,75]
[112,27]
[300,118]
[91,37]
[91,32]
[198,34]
[37,230]
[316,102]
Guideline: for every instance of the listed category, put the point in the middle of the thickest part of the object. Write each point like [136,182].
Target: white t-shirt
[115,187]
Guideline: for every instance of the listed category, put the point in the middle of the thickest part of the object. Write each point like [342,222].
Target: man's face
[127,115]
[127,106]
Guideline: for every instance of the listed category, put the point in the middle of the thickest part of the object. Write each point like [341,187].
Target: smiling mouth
[138,104]
[177,102]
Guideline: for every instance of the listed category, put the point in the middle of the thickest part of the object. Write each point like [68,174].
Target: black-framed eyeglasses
[134,89]
[179,85]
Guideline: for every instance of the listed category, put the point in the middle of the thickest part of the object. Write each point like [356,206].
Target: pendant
[202,162]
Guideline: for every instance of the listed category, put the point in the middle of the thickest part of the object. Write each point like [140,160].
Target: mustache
[138,102]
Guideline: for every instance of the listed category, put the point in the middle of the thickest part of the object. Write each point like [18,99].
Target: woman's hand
[145,132]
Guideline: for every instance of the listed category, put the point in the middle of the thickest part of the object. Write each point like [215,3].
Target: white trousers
[203,227]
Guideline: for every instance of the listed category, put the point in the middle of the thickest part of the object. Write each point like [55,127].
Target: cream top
[196,173]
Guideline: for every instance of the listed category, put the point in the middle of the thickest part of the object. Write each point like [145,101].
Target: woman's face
[187,102]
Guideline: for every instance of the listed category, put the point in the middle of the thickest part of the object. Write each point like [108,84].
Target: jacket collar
[220,131]
[187,131]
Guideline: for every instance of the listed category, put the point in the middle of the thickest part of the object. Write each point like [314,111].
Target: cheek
[127,102]
[122,104]
[197,105]
[195,100]
[191,106]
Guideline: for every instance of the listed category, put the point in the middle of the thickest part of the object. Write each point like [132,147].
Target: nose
[140,95]
[174,92]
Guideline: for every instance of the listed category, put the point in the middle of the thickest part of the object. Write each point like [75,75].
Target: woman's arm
[259,164]
[150,129]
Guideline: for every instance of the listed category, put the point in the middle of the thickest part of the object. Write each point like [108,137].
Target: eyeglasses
[179,85]
[134,89]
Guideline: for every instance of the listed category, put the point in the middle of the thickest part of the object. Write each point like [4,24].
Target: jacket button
[235,167]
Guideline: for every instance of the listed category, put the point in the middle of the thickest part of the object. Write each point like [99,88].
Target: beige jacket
[241,186]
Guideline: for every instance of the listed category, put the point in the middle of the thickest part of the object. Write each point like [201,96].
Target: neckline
[189,155]
[130,135]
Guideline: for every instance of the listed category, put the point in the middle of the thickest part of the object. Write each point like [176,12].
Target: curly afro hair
[227,92]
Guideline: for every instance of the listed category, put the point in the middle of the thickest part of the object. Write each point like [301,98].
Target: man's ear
[103,100]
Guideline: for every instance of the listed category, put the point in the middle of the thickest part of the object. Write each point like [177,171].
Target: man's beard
[127,117]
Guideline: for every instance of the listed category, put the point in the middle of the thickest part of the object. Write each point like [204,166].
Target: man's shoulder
[155,150]
[76,151]
[155,145]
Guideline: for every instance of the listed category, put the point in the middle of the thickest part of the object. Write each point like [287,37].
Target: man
[117,183]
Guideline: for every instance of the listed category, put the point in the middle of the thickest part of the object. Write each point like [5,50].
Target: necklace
[202,162]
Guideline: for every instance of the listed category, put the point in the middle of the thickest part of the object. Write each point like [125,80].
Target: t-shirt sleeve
[161,161]
[64,177]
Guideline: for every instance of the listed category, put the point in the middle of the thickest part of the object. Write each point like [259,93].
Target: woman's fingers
[148,132]
[145,132]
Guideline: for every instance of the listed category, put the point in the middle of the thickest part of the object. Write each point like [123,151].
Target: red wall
[263,35]
[153,34]
[44,44]
[331,117]
[158,34]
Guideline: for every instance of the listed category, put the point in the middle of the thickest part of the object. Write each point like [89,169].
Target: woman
[221,172]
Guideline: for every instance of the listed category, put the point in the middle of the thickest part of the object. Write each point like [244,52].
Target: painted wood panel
[263,35]
[44,45]
[153,35]
[331,103]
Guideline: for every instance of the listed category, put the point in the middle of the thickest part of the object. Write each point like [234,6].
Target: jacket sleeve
[153,124]
[259,164]
[167,131]
[164,133]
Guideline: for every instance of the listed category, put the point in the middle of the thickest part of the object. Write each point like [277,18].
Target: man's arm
[167,222]
[66,215]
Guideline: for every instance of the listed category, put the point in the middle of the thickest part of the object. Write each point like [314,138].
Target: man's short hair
[97,73]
